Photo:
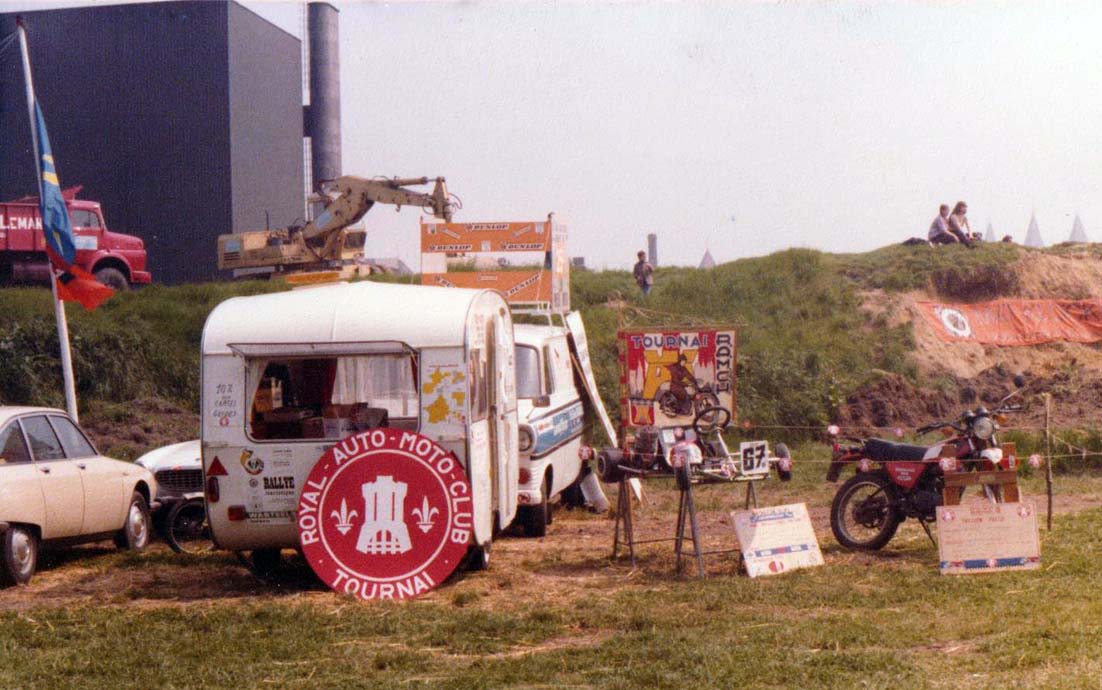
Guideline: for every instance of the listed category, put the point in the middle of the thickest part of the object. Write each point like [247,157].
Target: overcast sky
[743,128]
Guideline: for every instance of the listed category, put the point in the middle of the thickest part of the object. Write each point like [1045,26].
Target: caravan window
[331,397]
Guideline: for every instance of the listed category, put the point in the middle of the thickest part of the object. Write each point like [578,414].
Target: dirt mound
[950,373]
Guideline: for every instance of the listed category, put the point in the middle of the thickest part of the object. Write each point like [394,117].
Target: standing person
[939,229]
[958,223]
[644,273]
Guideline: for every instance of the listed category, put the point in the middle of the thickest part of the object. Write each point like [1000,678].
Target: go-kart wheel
[608,465]
[711,419]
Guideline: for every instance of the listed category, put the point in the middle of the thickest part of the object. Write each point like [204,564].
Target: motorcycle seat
[885,451]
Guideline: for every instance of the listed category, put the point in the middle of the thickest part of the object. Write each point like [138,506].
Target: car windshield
[528,372]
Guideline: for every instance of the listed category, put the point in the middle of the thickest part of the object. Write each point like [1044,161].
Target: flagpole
[59,306]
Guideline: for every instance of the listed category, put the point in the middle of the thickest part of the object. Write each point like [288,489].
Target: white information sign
[982,537]
[776,540]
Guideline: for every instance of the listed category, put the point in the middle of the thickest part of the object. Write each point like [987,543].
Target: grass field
[558,612]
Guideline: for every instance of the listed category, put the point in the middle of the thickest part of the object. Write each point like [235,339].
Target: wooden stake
[1048,455]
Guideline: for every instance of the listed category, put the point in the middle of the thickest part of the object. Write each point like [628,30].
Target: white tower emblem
[384,529]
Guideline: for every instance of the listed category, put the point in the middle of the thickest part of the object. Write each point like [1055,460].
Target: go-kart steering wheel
[711,419]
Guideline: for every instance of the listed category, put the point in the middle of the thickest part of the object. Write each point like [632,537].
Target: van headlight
[983,428]
[527,439]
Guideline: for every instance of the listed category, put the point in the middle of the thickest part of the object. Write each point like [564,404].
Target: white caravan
[287,375]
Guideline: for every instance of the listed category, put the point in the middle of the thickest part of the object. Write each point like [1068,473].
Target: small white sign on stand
[777,539]
[984,537]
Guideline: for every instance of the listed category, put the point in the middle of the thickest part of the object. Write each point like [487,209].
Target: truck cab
[551,416]
[117,260]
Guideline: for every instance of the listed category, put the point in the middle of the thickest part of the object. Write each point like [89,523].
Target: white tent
[1078,232]
[989,235]
[1033,235]
[707,261]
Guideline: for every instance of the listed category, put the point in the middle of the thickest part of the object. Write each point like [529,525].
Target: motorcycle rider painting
[681,379]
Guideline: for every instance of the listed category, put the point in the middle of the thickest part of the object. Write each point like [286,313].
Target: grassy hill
[805,342]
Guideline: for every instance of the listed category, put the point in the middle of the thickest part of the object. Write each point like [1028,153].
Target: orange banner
[517,286]
[461,238]
[1017,322]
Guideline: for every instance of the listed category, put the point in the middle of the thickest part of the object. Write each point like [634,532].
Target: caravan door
[506,457]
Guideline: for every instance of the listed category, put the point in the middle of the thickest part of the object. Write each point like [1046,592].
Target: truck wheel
[134,535]
[535,519]
[113,278]
[20,555]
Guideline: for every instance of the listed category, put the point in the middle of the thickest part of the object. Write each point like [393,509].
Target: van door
[507,474]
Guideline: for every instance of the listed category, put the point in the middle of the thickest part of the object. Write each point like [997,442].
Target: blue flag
[55,216]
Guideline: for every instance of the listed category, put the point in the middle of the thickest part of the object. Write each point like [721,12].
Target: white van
[287,375]
[551,420]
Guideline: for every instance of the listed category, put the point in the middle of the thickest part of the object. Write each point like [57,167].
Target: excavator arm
[351,197]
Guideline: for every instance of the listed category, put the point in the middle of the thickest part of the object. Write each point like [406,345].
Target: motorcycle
[896,481]
[683,404]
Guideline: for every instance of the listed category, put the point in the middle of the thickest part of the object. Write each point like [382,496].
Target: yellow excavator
[325,246]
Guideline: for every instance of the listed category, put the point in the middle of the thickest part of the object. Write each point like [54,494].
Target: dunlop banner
[1011,322]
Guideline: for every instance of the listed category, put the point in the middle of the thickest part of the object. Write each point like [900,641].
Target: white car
[551,413]
[178,469]
[56,488]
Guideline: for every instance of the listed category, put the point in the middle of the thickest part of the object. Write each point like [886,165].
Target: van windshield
[528,372]
[331,397]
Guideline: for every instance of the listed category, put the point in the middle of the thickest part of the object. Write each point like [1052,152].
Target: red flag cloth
[1016,322]
[74,284]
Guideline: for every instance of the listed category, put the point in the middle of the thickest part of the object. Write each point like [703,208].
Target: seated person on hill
[939,228]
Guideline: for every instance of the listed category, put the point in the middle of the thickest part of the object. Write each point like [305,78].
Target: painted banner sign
[668,375]
[1017,322]
[453,238]
[981,537]
[776,540]
[385,514]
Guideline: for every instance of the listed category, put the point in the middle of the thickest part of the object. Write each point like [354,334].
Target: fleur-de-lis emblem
[344,518]
[425,515]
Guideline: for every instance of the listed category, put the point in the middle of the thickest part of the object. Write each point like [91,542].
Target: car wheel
[134,535]
[20,557]
[265,562]
[536,518]
[113,278]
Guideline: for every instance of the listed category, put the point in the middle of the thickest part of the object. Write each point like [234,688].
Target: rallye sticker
[385,514]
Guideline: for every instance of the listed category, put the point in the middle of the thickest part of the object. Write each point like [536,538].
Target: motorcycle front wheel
[863,515]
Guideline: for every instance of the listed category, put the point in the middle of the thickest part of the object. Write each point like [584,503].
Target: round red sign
[385,514]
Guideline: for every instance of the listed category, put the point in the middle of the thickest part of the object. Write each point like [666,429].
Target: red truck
[117,260]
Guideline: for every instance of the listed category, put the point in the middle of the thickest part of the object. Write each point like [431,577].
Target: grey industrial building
[184,119]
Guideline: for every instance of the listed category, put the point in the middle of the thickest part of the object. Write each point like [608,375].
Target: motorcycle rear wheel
[863,516]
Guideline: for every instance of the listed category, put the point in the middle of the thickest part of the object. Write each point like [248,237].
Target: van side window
[529,372]
[44,442]
[13,449]
[72,440]
[549,370]
[330,397]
